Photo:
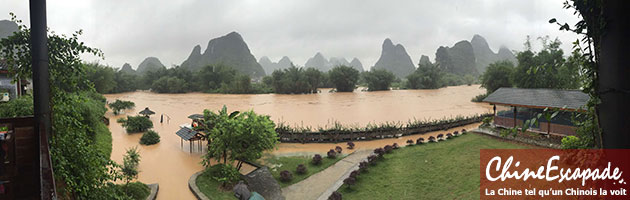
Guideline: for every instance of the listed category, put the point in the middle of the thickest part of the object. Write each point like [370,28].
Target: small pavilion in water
[516,105]
[191,133]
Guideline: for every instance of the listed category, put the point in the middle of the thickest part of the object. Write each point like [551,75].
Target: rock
[424,60]
[270,66]
[126,68]
[395,59]
[459,59]
[262,182]
[230,50]
[356,64]
[149,64]
[7,28]
[241,191]
[485,56]
[318,62]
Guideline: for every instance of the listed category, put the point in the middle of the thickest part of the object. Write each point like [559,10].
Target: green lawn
[445,170]
[291,163]
[210,187]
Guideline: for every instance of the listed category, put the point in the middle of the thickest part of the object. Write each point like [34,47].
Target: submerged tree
[344,78]
[378,79]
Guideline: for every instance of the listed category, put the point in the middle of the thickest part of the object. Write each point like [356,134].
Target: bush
[420,141]
[463,130]
[572,142]
[350,181]
[119,105]
[338,149]
[395,146]
[301,169]
[372,159]
[135,124]
[317,159]
[363,166]
[378,79]
[335,196]
[137,190]
[344,78]
[410,142]
[455,133]
[225,174]
[149,138]
[355,174]
[286,176]
[440,136]
[486,121]
[449,135]
[350,145]
[379,151]
[332,154]
[432,139]
[388,148]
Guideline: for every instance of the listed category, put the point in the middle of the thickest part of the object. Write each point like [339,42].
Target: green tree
[425,77]
[238,136]
[292,80]
[103,77]
[125,82]
[119,105]
[497,75]
[136,124]
[149,138]
[129,168]
[22,106]
[378,79]
[547,68]
[314,78]
[344,78]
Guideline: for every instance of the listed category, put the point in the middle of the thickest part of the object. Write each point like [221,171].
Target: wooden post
[190,145]
[181,142]
[514,116]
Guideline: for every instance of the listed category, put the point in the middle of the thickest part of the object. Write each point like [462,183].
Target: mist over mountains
[318,61]
[395,59]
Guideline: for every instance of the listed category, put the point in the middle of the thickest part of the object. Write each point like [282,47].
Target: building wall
[555,128]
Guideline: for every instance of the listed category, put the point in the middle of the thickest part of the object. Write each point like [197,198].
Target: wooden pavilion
[519,104]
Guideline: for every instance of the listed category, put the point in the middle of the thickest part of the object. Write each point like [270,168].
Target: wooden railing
[26,170]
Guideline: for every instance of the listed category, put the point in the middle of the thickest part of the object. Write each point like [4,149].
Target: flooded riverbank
[170,165]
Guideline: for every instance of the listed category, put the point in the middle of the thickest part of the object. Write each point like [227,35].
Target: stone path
[322,184]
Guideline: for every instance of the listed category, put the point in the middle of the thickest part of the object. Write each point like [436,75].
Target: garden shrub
[225,174]
[409,142]
[572,142]
[379,151]
[486,121]
[440,136]
[137,190]
[420,141]
[149,138]
[395,146]
[350,145]
[301,169]
[335,196]
[317,159]
[372,159]
[388,148]
[432,139]
[455,133]
[331,154]
[286,176]
[338,149]
[463,130]
[363,166]
[354,174]
[350,181]
[449,135]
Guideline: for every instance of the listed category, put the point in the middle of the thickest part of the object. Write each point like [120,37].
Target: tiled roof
[541,98]
[186,133]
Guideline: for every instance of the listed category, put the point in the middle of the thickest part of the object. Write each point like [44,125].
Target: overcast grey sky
[129,31]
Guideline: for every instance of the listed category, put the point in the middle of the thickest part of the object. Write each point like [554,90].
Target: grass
[444,170]
[210,187]
[103,140]
[291,163]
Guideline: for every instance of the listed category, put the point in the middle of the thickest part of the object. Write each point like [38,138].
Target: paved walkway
[321,183]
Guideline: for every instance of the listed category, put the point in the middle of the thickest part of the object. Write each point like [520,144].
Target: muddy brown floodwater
[170,165]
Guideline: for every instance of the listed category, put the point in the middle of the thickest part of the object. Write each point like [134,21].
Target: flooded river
[170,165]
